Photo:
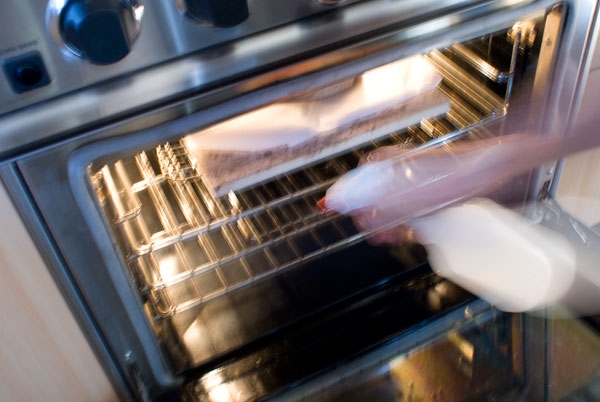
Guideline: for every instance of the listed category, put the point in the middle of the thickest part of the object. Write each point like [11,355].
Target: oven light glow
[187,210]
[218,391]
[466,348]
[198,342]
[210,205]
[168,268]
[212,379]
[220,394]
[233,200]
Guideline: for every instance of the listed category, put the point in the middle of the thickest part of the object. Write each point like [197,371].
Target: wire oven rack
[184,246]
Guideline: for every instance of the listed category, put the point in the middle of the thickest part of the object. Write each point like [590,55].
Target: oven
[197,293]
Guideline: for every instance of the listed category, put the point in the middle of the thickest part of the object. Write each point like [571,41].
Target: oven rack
[186,247]
[470,57]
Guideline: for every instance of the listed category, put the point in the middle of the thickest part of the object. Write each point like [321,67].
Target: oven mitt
[497,254]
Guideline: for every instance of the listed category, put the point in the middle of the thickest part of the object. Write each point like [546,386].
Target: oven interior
[256,290]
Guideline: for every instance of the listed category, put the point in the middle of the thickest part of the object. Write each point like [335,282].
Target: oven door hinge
[136,378]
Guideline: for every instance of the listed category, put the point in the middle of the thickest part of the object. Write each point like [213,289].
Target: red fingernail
[322,207]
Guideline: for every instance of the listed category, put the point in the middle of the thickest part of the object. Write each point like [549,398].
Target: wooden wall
[579,184]
[44,355]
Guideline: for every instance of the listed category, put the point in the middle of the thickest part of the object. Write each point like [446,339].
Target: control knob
[218,13]
[101,31]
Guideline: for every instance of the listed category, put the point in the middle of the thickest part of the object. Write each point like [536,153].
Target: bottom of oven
[221,327]
[416,338]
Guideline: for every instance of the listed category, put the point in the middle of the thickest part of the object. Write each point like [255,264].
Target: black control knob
[101,31]
[219,13]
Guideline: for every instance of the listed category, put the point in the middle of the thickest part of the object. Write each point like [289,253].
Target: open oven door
[255,294]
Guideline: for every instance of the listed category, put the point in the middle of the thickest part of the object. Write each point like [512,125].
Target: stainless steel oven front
[187,294]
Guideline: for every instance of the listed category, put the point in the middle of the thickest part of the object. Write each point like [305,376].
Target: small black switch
[26,72]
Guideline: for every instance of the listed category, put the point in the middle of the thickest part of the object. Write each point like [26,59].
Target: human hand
[394,185]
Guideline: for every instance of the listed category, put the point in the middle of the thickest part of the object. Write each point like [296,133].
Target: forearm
[515,154]
[412,181]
